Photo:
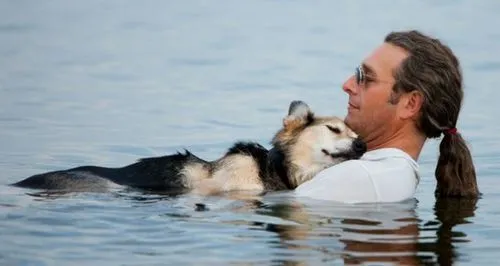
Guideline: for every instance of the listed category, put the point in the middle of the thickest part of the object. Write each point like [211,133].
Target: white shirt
[383,175]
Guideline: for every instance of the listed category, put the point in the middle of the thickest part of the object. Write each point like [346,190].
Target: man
[407,90]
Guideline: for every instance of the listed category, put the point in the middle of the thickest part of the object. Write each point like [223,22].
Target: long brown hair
[432,69]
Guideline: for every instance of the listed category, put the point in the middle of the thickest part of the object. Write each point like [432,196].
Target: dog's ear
[299,114]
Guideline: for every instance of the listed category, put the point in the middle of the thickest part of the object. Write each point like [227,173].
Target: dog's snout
[359,146]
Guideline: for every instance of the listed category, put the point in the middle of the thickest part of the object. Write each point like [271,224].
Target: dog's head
[311,144]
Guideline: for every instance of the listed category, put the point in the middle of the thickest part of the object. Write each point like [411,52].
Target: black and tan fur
[305,145]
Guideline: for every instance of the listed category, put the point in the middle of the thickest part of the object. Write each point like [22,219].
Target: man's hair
[433,70]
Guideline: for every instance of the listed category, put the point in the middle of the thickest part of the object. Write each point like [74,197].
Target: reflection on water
[282,229]
[387,233]
[449,213]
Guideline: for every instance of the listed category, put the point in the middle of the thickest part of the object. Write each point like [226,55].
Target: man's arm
[348,182]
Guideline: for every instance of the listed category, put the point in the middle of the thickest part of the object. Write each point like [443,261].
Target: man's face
[370,112]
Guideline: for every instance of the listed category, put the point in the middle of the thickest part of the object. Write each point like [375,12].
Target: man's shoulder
[385,153]
[376,157]
[380,162]
[388,159]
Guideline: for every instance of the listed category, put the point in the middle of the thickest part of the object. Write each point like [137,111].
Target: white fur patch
[236,172]
[194,174]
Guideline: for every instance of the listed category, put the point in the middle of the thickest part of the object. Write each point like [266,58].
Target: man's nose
[350,85]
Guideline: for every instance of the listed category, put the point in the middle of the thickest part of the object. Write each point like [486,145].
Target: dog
[305,145]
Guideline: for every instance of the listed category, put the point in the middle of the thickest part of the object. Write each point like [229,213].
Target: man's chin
[348,120]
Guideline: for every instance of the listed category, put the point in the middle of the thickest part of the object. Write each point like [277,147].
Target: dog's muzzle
[359,147]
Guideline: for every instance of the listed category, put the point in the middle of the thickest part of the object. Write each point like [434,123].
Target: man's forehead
[385,58]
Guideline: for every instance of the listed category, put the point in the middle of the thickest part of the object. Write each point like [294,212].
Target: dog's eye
[335,130]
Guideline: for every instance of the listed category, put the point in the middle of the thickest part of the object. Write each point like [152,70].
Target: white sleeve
[348,182]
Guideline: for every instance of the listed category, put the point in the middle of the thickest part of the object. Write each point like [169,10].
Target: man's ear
[299,114]
[410,104]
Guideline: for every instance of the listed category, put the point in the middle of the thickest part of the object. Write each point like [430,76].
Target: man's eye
[369,79]
[335,130]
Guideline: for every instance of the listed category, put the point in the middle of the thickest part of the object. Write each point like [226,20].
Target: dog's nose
[359,146]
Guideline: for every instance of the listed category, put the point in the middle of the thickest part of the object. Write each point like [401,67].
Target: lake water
[107,82]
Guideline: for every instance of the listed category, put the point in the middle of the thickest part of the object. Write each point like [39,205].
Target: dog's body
[304,146]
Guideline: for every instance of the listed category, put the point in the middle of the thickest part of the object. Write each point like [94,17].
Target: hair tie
[451,131]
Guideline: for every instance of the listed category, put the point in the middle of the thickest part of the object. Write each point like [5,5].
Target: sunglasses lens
[359,75]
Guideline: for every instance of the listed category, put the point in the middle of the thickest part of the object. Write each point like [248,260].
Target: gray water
[108,82]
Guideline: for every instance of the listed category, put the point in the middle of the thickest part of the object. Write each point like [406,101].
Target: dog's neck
[277,165]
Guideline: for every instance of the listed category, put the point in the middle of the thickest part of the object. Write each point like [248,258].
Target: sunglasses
[360,75]
[362,78]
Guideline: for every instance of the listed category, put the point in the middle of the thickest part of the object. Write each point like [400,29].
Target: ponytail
[455,173]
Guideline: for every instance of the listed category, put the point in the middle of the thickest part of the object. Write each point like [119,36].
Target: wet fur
[294,159]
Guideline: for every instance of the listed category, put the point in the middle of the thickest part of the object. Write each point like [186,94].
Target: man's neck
[407,139]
